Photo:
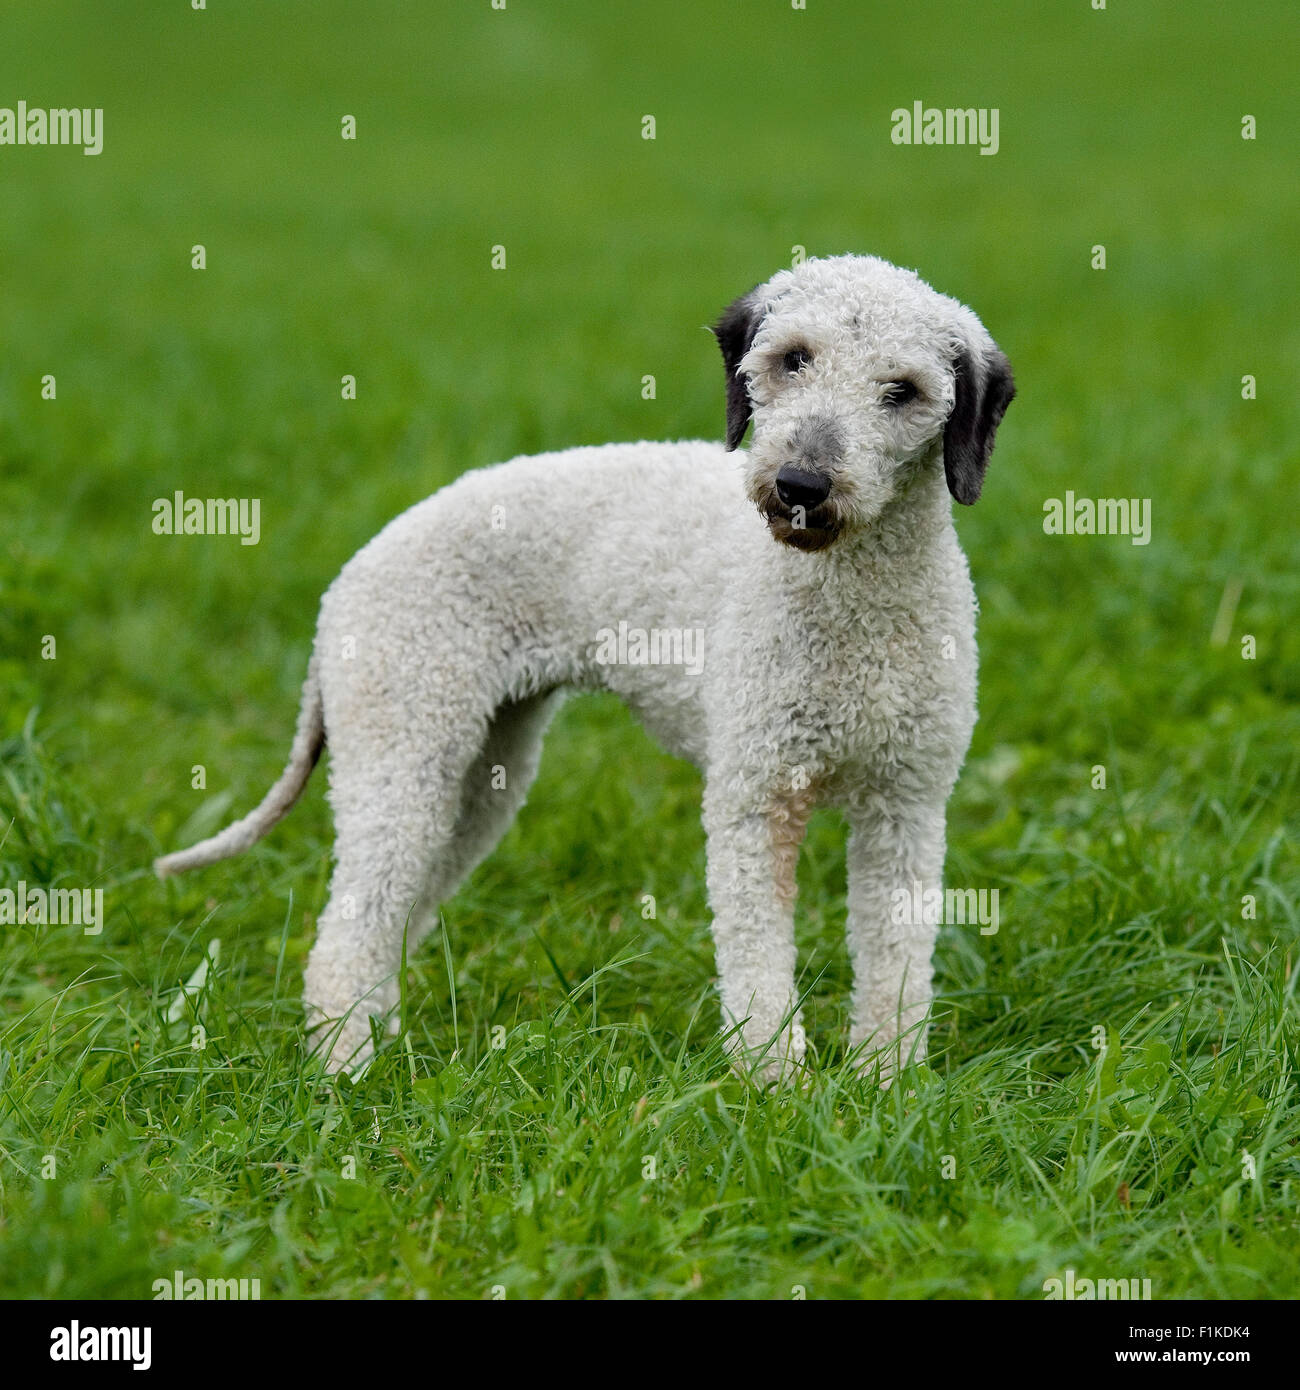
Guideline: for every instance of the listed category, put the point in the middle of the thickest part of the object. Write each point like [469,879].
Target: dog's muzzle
[796,509]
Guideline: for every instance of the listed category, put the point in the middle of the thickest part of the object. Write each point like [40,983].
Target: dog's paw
[772,1060]
[340,1038]
[882,1053]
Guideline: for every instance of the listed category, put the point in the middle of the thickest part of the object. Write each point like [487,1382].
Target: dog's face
[856,374]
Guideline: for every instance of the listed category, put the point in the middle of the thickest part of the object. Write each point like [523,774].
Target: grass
[520,1159]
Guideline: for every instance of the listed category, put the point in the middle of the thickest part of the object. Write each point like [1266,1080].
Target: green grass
[524,1166]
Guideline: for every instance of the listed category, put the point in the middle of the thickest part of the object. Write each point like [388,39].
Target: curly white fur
[838,659]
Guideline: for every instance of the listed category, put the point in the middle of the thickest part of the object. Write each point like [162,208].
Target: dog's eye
[795,361]
[899,393]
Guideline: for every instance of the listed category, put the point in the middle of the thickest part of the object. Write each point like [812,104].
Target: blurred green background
[325,257]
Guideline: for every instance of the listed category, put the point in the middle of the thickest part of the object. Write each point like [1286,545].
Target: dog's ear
[735,334]
[984,390]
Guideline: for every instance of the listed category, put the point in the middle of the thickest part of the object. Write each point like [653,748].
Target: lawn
[1111,1087]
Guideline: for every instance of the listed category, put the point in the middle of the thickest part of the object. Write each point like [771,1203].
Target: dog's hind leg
[492,792]
[396,792]
[408,829]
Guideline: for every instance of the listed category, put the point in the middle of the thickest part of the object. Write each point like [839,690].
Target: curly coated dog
[798,620]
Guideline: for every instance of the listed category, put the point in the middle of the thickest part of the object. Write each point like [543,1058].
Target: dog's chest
[861,692]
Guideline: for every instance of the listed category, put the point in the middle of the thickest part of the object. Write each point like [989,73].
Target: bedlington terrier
[797,620]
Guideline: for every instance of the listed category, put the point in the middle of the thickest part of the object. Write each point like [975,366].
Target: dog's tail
[308,740]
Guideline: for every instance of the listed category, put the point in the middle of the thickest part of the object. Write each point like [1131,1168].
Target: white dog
[798,621]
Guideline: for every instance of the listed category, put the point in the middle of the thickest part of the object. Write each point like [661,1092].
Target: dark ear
[984,390]
[735,333]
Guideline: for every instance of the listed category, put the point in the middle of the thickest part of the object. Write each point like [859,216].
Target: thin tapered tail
[308,740]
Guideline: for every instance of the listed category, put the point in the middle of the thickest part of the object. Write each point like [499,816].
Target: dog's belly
[670,711]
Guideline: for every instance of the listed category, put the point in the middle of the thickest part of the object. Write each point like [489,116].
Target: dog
[831,619]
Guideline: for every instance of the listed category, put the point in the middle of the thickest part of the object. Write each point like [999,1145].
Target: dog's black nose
[798,488]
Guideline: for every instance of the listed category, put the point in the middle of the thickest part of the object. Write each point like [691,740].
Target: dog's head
[856,374]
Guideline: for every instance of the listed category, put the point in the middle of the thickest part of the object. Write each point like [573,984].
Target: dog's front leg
[895,867]
[753,848]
